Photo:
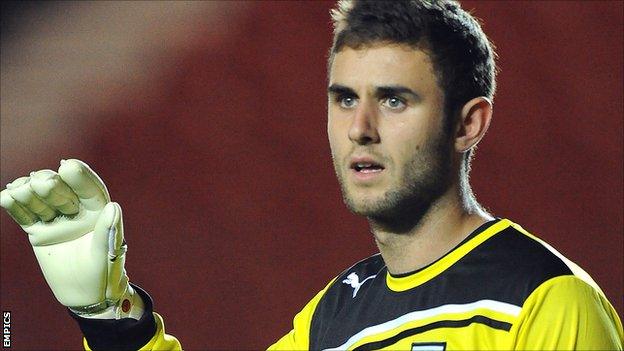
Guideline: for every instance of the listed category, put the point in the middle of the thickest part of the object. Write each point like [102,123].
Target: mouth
[366,168]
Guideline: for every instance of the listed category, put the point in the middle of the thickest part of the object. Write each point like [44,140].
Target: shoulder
[515,255]
[562,297]
[531,257]
[508,263]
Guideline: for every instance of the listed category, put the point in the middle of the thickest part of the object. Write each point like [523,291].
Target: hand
[76,234]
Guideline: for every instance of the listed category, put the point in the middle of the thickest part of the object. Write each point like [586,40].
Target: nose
[363,129]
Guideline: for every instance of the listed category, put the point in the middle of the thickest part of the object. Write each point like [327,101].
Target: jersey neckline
[406,281]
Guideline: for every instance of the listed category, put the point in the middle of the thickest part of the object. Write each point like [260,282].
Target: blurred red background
[219,158]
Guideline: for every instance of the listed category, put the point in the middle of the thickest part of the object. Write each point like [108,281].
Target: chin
[364,206]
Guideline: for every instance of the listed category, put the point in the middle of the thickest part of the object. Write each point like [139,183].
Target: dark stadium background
[217,152]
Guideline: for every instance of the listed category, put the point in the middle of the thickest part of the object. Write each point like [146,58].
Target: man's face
[386,130]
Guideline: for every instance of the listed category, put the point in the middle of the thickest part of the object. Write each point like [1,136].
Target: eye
[347,101]
[394,103]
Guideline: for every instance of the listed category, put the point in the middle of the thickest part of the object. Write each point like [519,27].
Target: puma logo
[354,281]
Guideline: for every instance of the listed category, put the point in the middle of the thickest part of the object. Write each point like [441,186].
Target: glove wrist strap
[129,305]
[92,309]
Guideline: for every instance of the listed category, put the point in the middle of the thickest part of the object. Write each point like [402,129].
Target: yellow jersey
[500,289]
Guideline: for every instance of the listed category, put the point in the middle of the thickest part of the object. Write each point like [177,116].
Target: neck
[449,220]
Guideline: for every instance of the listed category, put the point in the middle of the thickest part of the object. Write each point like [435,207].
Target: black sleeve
[121,334]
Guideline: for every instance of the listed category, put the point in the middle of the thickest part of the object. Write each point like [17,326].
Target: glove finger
[49,186]
[117,278]
[110,226]
[21,192]
[21,215]
[117,244]
[85,183]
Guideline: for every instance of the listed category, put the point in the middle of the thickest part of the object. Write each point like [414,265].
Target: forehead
[382,64]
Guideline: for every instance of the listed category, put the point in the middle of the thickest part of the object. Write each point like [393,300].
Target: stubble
[424,179]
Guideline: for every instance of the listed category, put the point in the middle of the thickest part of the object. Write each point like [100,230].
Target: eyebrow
[337,89]
[388,90]
[380,91]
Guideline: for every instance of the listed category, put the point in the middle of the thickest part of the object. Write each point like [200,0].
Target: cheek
[337,133]
[402,145]
[413,129]
[403,137]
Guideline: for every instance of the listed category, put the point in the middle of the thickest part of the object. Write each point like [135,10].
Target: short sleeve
[566,313]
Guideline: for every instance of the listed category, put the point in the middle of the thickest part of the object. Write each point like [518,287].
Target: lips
[366,165]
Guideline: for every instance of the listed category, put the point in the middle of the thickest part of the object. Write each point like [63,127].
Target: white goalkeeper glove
[77,236]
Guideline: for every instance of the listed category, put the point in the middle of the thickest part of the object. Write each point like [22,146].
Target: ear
[474,122]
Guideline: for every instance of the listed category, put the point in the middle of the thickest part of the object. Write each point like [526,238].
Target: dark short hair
[462,55]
